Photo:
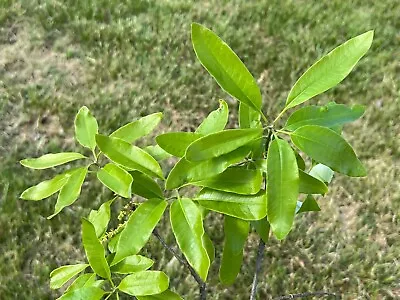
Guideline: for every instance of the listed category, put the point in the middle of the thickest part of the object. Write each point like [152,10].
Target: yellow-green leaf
[144,283]
[86,128]
[215,121]
[61,275]
[116,179]
[131,264]
[45,188]
[50,160]
[176,143]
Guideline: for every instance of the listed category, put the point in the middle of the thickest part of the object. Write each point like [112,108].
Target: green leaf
[137,129]
[144,283]
[237,180]
[145,186]
[94,250]
[61,275]
[311,185]
[327,147]
[139,227]
[300,161]
[50,160]
[157,152]
[176,143]
[225,66]
[100,218]
[113,242]
[166,295]
[329,70]
[246,207]
[207,243]
[128,156]
[86,128]
[84,280]
[92,293]
[116,179]
[185,171]
[45,188]
[309,205]
[187,226]
[322,173]
[331,115]
[262,227]
[248,118]
[131,264]
[282,187]
[70,190]
[217,144]
[236,232]
[215,121]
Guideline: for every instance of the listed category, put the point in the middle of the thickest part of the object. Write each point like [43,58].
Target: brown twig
[309,294]
[260,254]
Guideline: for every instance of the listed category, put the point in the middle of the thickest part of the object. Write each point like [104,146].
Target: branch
[308,294]
[260,253]
[202,285]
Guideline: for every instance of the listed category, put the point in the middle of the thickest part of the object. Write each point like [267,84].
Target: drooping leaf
[236,232]
[308,205]
[91,292]
[137,129]
[138,229]
[329,70]
[187,226]
[128,156]
[86,128]
[100,218]
[166,295]
[70,190]
[322,173]
[262,227]
[144,283]
[246,207]
[116,179]
[282,187]
[225,66]
[145,186]
[176,143]
[45,188]
[131,264]
[51,160]
[220,143]
[84,280]
[215,121]
[311,185]
[157,152]
[94,250]
[327,147]
[61,275]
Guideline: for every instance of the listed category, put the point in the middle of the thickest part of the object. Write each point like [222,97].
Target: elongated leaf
[86,128]
[246,207]
[207,243]
[145,186]
[113,242]
[185,171]
[70,190]
[50,160]
[139,228]
[61,275]
[237,180]
[215,121]
[137,129]
[116,179]
[282,187]
[94,250]
[45,188]
[262,227]
[144,283]
[220,143]
[327,147]
[166,295]
[84,280]
[308,205]
[187,225]
[92,293]
[300,161]
[322,173]
[128,156]
[176,143]
[311,185]
[100,218]
[157,152]
[330,69]
[131,264]
[248,118]
[225,66]
[236,232]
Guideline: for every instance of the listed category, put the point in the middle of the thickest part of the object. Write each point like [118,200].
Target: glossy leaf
[329,70]
[157,152]
[45,188]
[262,227]
[248,118]
[282,187]
[187,226]
[128,156]
[322,173]
[131,264]
[207,243]
[137,129]
[84,280]
[86,128]
[215,121]
[94,250]
[246,207]
[237,180]
[51,160]
[61,275]
[100,218]
[145,186]
[92,293]
[139,227]
[70,190]
[113,242]
[225,66]
[311,185]
[116,179]
[166,295]
[176,143]
[327,147]
[235,231]
[309,204]
[220,143]
[144,283]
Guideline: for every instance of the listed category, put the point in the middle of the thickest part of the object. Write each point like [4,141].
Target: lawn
[125,59]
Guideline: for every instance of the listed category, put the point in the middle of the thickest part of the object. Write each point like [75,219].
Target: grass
[124,59]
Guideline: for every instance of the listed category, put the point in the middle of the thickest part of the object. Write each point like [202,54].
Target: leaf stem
[284,131]
[260,254]
[280,115]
